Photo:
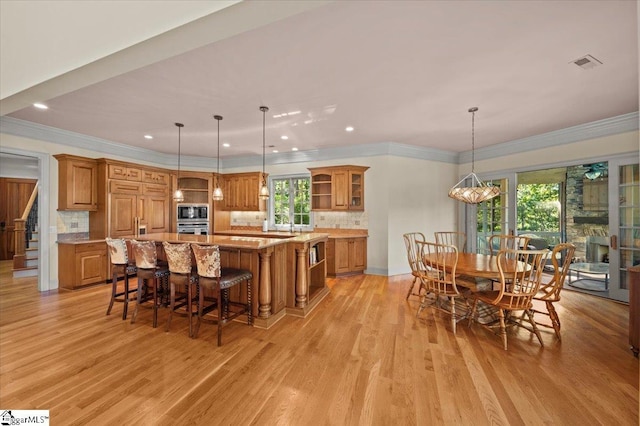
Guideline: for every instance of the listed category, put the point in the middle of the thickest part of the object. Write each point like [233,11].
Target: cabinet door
[342,255]
[340,190]
[155,177]
[122,211]
[358,254]
[356,190]
[78,184]
[91,267]
[155,214]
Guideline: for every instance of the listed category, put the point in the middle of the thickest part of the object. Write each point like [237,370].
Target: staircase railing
[23,230]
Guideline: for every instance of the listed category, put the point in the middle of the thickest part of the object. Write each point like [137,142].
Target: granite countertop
[285,234]
[78,238]
[247,242]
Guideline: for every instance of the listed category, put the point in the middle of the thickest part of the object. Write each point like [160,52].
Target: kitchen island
[289,274]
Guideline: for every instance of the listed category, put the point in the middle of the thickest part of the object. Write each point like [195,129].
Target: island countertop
[242,242]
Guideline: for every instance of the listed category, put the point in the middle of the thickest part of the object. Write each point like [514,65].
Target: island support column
[301,279]
[265,285]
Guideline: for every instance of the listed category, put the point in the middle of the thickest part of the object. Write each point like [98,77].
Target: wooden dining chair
[182,282]
[151,277]
[438,276]
[410,240]
[516,291]
[452,238]
[507,242]
[217,281]
[549,293]
[120,266]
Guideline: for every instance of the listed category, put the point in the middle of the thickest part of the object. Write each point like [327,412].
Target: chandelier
[477,191]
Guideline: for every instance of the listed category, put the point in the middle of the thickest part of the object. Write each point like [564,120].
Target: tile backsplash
[72,222]
[337,220]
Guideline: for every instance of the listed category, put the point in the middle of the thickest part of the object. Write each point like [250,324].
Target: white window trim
[287,227]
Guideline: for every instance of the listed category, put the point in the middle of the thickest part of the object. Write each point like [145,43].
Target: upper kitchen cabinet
[132,199]
[241,192]
[196,186]
[77,183]
[337,188]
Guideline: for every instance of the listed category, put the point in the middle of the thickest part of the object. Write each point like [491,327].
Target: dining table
[476,265]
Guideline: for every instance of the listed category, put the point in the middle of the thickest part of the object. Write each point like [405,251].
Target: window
[492,216]
[291,202]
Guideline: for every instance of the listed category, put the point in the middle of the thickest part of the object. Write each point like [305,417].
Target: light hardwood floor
[361,357]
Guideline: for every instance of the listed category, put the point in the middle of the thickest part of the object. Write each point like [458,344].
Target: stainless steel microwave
[192,212]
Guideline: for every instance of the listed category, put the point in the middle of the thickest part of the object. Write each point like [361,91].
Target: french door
[624,224]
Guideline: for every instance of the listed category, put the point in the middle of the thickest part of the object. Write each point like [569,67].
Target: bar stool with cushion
[181,280]
[120,266]
[213,278]
[152,278]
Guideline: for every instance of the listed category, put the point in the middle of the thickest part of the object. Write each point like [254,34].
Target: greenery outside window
[291,203]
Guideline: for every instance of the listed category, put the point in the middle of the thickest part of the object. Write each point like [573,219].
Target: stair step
[31,262]
[25,272]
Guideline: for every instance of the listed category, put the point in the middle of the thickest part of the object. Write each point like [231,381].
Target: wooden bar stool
[152,279]
[120,265]
[180,277]
[213,278]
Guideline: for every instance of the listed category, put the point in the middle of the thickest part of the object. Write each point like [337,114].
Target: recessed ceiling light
[40,106]
[294,149]
[284,137]
[226,145]
[275,151]
[349,129]
[148,137]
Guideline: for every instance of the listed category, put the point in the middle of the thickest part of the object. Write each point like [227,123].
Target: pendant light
[217,192]
[264,189]
[478,191]
[178,195]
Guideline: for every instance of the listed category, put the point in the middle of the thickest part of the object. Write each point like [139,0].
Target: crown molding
[596,129]
[610,126]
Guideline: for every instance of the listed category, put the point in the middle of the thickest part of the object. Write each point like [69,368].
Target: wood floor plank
[362,357]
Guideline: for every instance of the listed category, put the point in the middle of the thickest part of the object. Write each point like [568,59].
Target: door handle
[613,242]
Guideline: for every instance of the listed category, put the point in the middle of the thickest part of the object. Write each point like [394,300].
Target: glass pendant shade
[477,191]
[264,189]
[178,195]
[217,192]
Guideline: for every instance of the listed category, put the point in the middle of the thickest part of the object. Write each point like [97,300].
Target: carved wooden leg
[265,285]
[220,314]
[555,319]
[126,295]
[156,283]
[453,314]
[411,287]
[503,328]
[138,300]
[249,304]
[472,315]
[200,308]
[114,289]
[301,279]
[172,302]
[534,327]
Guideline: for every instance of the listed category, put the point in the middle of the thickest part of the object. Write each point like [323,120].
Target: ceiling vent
[587,62]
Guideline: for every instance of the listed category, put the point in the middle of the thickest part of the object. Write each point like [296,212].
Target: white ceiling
[398,71]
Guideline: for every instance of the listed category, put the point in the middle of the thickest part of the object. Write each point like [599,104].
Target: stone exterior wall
[577,233]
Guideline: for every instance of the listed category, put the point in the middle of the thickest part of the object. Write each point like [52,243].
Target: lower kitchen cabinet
[81,264]
[346,255]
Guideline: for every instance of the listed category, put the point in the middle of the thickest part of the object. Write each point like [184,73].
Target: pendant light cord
[264,113]
[473,138]
[180,126]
